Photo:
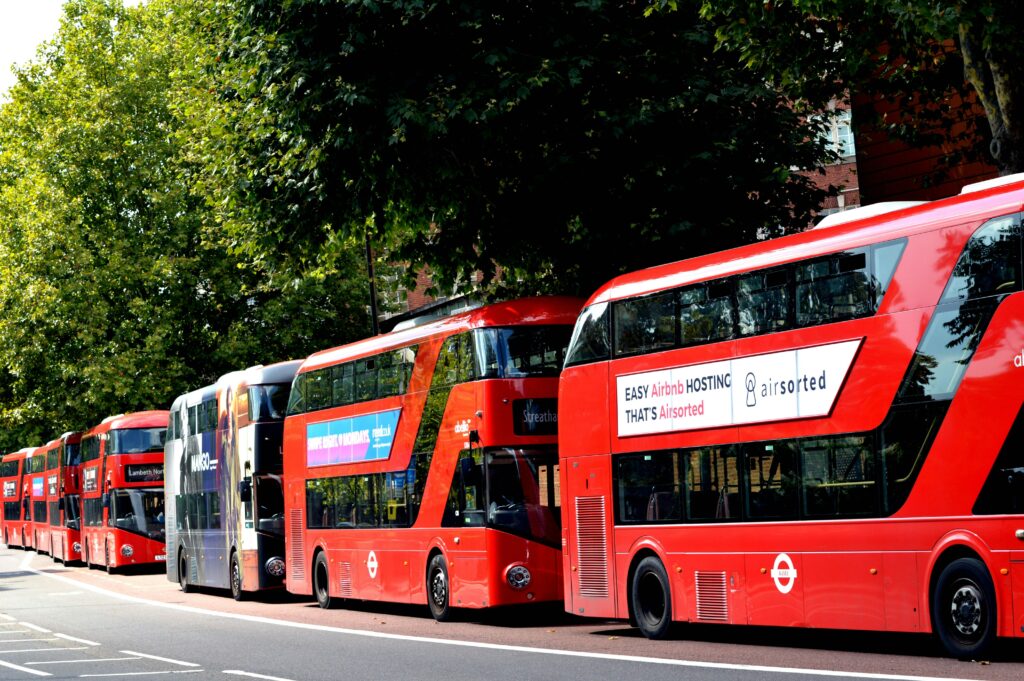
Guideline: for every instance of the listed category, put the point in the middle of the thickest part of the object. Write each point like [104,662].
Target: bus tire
[651,598]
[183,572]
[439,589]
[235,578]
[964,609]
[322,581]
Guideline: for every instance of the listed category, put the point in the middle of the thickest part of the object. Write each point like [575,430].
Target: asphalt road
[76,623]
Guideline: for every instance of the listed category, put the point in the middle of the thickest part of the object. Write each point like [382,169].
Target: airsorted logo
[777,386]
[1018,361]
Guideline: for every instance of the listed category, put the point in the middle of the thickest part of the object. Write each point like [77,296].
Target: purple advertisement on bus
[351,440]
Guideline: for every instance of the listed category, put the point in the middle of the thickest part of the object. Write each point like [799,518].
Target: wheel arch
[640,550]
[952,547]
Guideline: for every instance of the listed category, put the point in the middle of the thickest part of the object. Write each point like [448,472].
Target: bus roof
[524,311]
[974,202]
[139,419]
[281,372]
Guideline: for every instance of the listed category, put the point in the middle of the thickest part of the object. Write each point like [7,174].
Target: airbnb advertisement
[778,386]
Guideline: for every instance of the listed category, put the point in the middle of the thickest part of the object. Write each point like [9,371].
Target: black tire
[438,589]
[235,578]
[183,573]
[964,609]
[322,582]
[651,598]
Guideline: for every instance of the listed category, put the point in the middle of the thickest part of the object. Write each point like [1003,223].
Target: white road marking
[161,659]
[237,672]
[80,660]
[492,646]
[64,593]
[8,618]
[173,671]
[14,631]
[35,627]
[28,640]
[18,668]
[77,640]
[41,650]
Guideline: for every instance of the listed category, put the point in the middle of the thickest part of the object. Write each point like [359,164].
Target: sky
[24,24]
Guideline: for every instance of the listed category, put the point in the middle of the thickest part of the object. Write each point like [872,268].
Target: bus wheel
[652,599]
[964,608]
[322,581]
[235,578]
[183,572]
[438,595]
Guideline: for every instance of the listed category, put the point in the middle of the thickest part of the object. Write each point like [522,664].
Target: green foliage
[118,289]
[563,142]
[928,56]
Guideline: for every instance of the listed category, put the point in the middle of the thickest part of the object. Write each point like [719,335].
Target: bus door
[776,577]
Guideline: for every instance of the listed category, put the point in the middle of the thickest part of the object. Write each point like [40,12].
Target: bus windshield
[522,351]
[139,511]
[269,504]
[508,489]
[136,440]
[71,511]
[268,402]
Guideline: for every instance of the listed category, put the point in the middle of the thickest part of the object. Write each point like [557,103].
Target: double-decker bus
[420,466]
[15,518]
[224,498]
[122,478]
[821,430]
[37,535]
[62,500]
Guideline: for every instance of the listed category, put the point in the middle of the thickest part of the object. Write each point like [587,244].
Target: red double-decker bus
[822,430]
[38,530]
[15,519]
[62,500]
[122,478]
[420,466]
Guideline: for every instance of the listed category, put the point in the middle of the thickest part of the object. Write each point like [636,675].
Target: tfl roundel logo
[784,573]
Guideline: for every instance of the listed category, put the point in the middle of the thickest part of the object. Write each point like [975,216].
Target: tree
[563,142]
[118,289]
[938,58]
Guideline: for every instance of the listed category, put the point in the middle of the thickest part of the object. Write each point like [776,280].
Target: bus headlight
[76,547]
[275,566]
[517,576]
[127,550]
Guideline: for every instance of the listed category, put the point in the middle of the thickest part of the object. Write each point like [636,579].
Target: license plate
[164,557]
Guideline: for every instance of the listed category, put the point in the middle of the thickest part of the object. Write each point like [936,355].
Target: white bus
[224,502]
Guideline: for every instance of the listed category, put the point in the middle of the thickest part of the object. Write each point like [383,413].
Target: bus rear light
[517,576]
[127,550]
[275,567]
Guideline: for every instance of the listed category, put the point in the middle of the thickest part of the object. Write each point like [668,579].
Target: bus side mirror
[105,500]
[245,490]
